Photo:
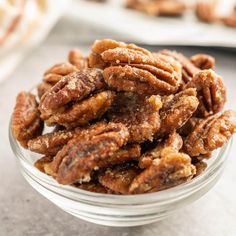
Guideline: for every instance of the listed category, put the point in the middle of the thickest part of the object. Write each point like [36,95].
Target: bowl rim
[161,196]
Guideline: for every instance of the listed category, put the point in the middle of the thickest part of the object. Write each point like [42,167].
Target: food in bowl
[125,120]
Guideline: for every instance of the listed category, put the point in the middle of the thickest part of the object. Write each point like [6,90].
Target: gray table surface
[23,211]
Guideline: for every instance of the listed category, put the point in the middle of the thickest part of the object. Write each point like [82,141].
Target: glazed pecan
[210,133]
[99,46]
[206,10]
[49,144]
[93,187]
[211,92]
[134,71]
[56,72]
[119,178]
[174,141]
[188,127]
[189,69]
[173,168]
[72,87]
[42,162]
[203,61]
[26,122]
[138,113]
[84,111]
[200,166]
[176,110]
[83,154]
[76,58]
[43,87]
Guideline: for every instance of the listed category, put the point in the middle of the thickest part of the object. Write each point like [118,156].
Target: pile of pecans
[125,120]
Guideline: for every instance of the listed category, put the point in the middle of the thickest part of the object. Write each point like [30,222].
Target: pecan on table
[210,133]
[176,110]
[72,87]
[173,168]
[138,113]
[49,144]
[211,92]
[26,122]
[86,152]
[119,178]
[82,112]
[203,61]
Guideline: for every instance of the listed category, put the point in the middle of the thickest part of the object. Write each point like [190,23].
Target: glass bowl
[119,210]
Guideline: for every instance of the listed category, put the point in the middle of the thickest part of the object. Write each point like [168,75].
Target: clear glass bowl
[119,210]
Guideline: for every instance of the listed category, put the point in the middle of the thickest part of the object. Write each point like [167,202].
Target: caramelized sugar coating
[26,122]
[211,92]
[171,169]
[42,162]
[82,112]
[206,10]
[210,133]
[139,114]
[76,58]
[174,141]
[176,111]
[49,144]
[73,87]
[203,61]
[83,154]
[119,178]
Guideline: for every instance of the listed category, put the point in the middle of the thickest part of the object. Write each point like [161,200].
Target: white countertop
[23,211]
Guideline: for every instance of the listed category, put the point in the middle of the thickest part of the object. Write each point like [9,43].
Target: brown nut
[72,87]
[176,111]
[49,144]
[76,58]
[210,133]
[173,168]
[26,122]
[203,61]
[138,113]
[42,162]
[81,113]
[43,87]
[94,187]
[211,92]
[83,154]
[119,178]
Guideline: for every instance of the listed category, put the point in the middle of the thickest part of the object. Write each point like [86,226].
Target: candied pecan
[93,187]
[76,58]
[188,127]
[72,87]
[230,20]
[189,69]
[211,92]
[26,122]
[173,168]
[203,61]
[206,10]
[40,163]
[83,154]
[83,112]
[56,72]
[138,113]
[119,178]
[174,141]
[200,166]
[49,144]
[43,87]
[176,111]
[210,133]
[99,46]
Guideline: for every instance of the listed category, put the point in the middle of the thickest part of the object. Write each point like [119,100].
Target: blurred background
[36,34]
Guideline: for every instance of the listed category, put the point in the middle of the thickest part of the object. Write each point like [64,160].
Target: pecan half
[138,113]
[83,112]
[211,92]
[26,122]
[76,58]
[49,144]
[72,87]
[119,178]
[203,61]
[176,111]
[210,133]
[173,168]
[83,154]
